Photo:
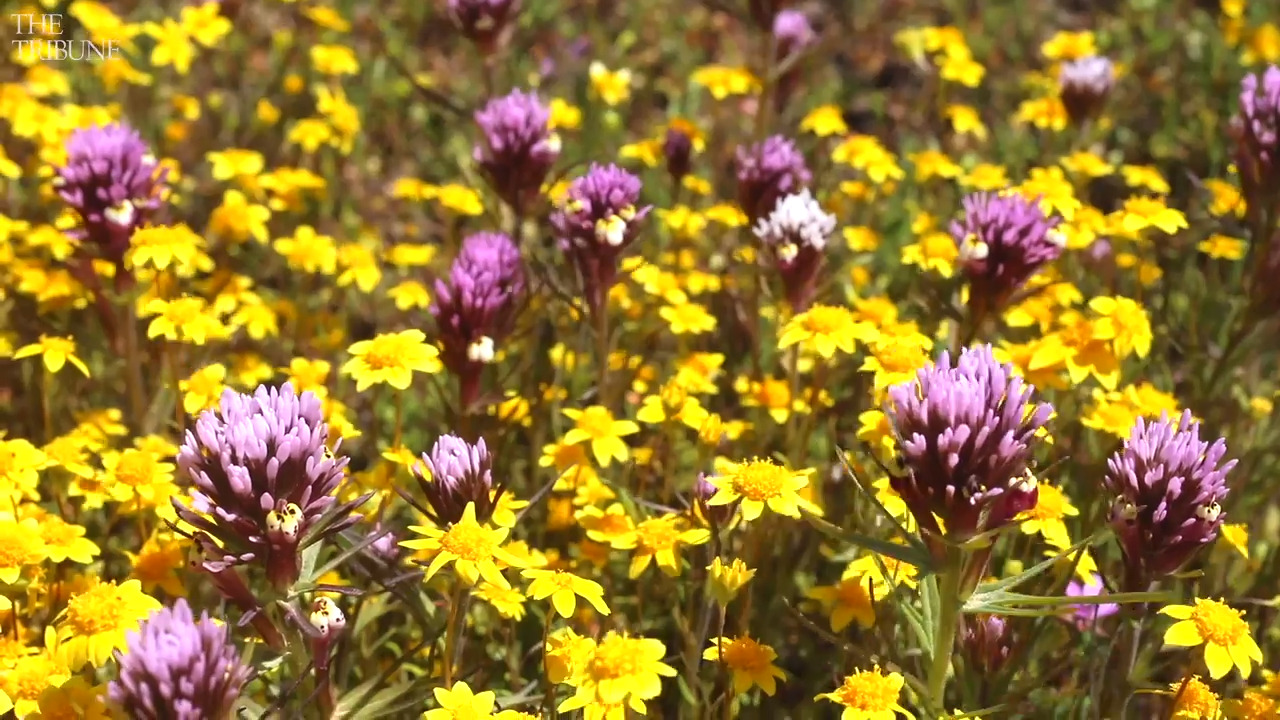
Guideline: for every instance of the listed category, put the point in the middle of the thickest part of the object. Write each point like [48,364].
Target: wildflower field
[512,359]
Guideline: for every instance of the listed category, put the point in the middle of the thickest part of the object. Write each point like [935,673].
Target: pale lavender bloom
[795,237]
[767,171]
[1003,239]
[455,474]
[793,32]
[475,308]
[484,21]
[1256,132]
[175,667]
[597,221]
[965,437]
[1087,616]
[114,184]
[1169,485]
[1084,84]
[265,482]
[517,147]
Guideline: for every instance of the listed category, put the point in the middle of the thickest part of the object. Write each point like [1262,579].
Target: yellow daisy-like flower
[391,358]
[20,546]
[56,352]
[96,621]
[659,540]
[726,580]
[164,246]
[595,425]
[853,598]
[23,683]
[868,695]
[1046,518]
[508,601]
[621,669]
[564,588]
[759,484]
[1221,629]
[750,662]
[461,703]
[825,329]
[474,549]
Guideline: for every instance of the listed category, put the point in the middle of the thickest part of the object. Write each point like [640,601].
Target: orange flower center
[98,609]
[826,320]
[469,541]
[30,678]
[1195,700]
[135,468]
[746,655]
[657,534]
[869,691]
[760,480]
[616,657]
[1218,623]
[384,352]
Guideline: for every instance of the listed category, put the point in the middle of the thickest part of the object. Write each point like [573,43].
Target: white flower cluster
[797,220]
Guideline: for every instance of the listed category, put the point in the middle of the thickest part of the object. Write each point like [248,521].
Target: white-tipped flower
[797,219]
[481,350]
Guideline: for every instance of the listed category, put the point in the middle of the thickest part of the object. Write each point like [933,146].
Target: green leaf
[912,554]
[1008,603]
[307,574]
[1039,568]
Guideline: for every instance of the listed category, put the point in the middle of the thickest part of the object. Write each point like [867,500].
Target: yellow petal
[1183,633]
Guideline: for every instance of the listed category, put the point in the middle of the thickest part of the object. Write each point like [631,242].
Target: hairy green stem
[944,636]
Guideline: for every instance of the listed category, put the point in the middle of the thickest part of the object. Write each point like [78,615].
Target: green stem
[451,631]
[602,352]
[944,637]
[46,392]
[395,442]
[549,695]
[133,367]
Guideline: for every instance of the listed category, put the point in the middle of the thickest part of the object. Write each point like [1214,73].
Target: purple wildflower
[1087,616]
[766,172]
[717,515]
[795,236]
[1256,132]
[484,22]
[677,148]
[792,31]
[517,148]
[1083,86]
[114,184]
[178,668]
[1003,239]
[475,309]
[1168,485]
[987,642]
[598,220]
[965,436]
[265,482]
[454,475]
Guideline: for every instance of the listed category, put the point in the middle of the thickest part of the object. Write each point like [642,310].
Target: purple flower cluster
[965,437]
[1003,239]
[987,642]
[455,474]
[1083,86]
[265,482]
[599,218]
[517,147]
[717,515]
[1169,485]
[175,667]
[795,237]
[114,184]
[767,171]
[1256,132]
[475,309]
[484,22]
